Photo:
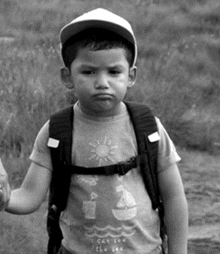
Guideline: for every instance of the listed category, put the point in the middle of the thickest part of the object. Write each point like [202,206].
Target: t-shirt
[107,214]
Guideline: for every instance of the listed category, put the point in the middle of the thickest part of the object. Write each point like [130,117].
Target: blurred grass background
[178,70]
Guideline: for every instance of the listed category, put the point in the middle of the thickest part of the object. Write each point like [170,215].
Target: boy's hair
[95,39]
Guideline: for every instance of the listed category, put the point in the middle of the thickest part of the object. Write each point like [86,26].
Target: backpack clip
[122,168]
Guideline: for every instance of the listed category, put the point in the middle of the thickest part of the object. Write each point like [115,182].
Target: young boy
[104,213]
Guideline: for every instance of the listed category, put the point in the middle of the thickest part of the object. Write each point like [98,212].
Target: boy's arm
[31,194]
[175,208]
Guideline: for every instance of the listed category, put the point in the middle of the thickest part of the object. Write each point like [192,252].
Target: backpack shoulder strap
[60,128]
[60,140]
[144,126]
[60,132]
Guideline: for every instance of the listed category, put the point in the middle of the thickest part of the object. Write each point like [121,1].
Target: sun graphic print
[103,151]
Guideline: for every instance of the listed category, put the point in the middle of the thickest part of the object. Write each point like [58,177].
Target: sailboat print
[126,207]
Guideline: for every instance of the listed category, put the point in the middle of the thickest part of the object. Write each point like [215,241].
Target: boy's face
[100,80]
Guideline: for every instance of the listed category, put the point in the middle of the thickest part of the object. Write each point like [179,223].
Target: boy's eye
[88,72]
[115,72]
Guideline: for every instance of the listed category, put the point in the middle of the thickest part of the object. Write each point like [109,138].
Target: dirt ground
[201,176]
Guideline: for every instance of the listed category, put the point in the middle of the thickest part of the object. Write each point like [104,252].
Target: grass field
[178,76]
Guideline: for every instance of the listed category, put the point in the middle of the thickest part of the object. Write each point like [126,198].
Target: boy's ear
[66,77]
[132,76]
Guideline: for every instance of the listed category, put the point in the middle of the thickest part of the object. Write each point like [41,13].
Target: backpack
[60,130]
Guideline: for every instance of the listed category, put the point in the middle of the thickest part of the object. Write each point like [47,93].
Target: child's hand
[4,188]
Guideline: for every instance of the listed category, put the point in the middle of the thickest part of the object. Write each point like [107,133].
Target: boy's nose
[101,82]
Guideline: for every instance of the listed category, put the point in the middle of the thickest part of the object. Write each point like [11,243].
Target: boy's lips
[103,96]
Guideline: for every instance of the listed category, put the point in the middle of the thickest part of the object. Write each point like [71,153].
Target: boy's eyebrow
[88,65]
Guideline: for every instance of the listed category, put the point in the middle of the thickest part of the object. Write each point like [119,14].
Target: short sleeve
[41,152]
[167,154]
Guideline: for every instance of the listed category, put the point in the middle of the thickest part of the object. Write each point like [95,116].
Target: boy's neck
[120,111]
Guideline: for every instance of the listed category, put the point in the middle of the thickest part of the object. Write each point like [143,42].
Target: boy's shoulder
[138,107]
[61,120]
[143,119]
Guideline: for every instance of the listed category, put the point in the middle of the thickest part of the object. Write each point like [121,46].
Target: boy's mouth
[103,96]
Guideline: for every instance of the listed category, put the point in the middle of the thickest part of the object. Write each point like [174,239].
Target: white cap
[100,18]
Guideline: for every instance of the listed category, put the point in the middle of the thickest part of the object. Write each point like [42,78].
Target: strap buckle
[122,168]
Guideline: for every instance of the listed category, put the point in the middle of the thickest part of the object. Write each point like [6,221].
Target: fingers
[5,191]
[3,178]
[2,170]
